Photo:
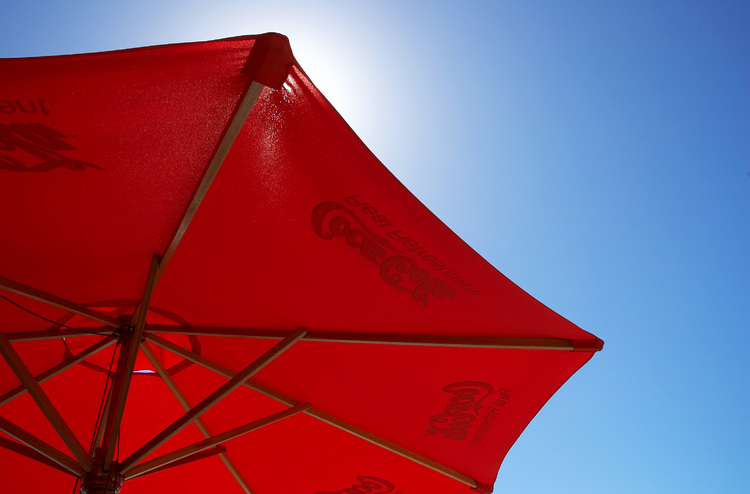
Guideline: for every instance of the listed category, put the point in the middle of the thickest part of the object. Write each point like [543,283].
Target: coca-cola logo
[40,143]
[461,411]
[331,220]
[366,485]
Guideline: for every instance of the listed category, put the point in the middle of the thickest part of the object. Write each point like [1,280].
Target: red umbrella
[210,284]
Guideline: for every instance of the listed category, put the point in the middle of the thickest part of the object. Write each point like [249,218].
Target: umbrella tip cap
[270,60]
[482,488]
[591,345]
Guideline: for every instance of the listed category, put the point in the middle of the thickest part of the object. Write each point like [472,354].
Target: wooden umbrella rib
[45,405]
[41,447]
[53,334]
[55,301]
[31,453]
[62,366]
[219,369]
[394,448]
[230,134]
[340,424]
[172,385]
[216,331]
[206,453]
[521,343]
[193,357]
[211,400]
[60,322]
[213,441]
[101,429]
[139,316]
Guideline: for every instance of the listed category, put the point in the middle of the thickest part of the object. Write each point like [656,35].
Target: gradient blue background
[596,152]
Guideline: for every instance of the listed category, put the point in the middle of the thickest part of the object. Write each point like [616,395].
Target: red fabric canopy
[421,364]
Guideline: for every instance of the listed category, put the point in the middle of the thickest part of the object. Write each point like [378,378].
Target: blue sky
[596,152]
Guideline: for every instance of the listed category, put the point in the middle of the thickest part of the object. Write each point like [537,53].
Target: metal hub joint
[97,481]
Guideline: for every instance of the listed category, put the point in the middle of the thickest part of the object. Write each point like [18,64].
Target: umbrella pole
[105,478]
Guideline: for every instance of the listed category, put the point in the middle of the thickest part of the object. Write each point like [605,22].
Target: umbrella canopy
[209,283]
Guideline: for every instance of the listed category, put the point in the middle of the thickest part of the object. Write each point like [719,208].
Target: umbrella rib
[53,334]
[62,366]
[394,448]
[135,339]
[41,447]
[271,393]
[216,450]
[521,343]
[231,132]
[211,400]
[55,301]
[139,316]
[101,428]
[172,385]
[31,453]
[210,442]
[43,402]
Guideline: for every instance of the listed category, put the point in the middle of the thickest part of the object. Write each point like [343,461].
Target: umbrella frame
[97,469]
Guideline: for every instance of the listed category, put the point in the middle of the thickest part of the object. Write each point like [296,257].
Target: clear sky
[596,152]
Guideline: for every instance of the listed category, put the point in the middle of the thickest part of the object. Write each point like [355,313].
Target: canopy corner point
[591,345]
